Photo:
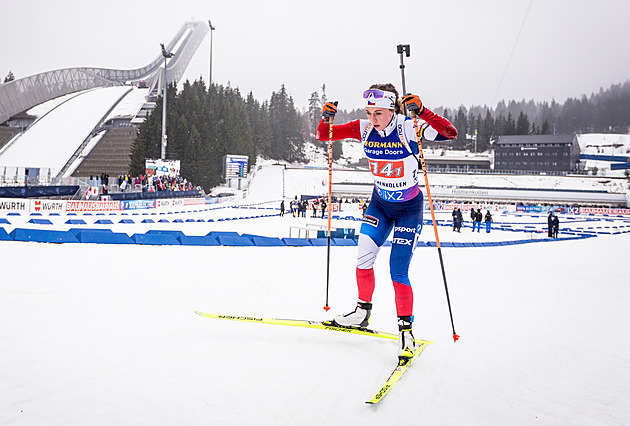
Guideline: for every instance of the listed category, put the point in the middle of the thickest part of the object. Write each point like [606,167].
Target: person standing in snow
[294,206]
[555,226]
[282,208]
[478,216]
[460,220]
[550,224]
[390,144]
[488,221]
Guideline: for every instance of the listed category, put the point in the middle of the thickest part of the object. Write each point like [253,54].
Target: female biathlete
[390,144]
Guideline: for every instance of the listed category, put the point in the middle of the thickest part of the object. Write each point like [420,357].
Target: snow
[604,144]
[107,334]
[51,141]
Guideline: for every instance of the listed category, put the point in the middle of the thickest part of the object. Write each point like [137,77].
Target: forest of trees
[205,123]
[607,111]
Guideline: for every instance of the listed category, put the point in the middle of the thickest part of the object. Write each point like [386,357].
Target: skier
[390,144]
[282,208]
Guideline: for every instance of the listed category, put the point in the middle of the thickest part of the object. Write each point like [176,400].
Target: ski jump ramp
[22,94]
[60,139]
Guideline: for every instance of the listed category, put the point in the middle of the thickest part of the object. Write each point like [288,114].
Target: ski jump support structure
[20,95]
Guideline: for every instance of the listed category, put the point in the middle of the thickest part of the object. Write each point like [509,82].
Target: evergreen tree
[288,136]
[544,130]
[260,125]
[195,168]
[522,124]
[314,111]
[461,124]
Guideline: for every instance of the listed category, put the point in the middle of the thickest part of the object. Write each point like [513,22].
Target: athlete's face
[379,117]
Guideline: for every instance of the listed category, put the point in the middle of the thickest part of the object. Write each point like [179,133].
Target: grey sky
[459,48]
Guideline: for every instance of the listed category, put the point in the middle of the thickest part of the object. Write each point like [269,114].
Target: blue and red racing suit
[396,199]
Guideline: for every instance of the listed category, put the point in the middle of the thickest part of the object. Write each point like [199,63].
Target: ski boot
[357,318]
[406,344]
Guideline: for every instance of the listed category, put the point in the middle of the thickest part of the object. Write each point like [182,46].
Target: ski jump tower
[20,95]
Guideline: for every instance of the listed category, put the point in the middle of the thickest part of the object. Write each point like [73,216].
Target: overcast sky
[460,49]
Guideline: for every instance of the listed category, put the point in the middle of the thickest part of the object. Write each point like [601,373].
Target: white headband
[375,98]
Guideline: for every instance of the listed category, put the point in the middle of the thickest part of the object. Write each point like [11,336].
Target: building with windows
[537,153]
[449,163]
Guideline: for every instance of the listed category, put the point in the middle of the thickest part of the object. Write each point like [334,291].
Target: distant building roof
[529,139]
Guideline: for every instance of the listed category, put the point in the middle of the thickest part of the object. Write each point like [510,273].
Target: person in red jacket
[390,144]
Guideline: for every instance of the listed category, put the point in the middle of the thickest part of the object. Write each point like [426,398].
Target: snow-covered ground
[50,142]
[107,334]
[604,144]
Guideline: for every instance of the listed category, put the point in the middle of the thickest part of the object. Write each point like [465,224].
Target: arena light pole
[166,56]
[210,73]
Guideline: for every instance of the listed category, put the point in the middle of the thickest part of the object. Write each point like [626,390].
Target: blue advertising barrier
[344,242]
[43,236]
[197,240]
[4,236]
[229,240]
[321,241]
[137,204]
[267,241]
[101,237]
[297,242]
[156,239]
[40,222]
[222,234]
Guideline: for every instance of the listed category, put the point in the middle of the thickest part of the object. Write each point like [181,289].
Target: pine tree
[522,124]
[288,136]
[544,130]
[196,168]
[314,111]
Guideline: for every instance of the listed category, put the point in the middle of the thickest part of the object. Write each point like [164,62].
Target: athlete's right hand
[329,110]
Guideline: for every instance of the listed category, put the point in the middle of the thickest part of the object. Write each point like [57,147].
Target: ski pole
[437,238]
[330,158]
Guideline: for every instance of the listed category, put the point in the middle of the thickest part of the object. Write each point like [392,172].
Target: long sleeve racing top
[392,152]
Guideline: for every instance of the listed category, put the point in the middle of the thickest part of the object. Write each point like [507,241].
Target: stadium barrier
[161,237]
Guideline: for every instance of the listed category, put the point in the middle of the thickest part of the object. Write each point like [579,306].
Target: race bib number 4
[387,169]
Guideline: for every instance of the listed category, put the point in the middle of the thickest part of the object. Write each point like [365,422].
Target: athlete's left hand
[413,104]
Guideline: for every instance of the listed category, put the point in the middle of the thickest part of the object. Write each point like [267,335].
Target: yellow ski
[403,365]
[322,325]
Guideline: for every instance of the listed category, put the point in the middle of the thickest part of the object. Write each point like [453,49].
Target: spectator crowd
[142,183]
